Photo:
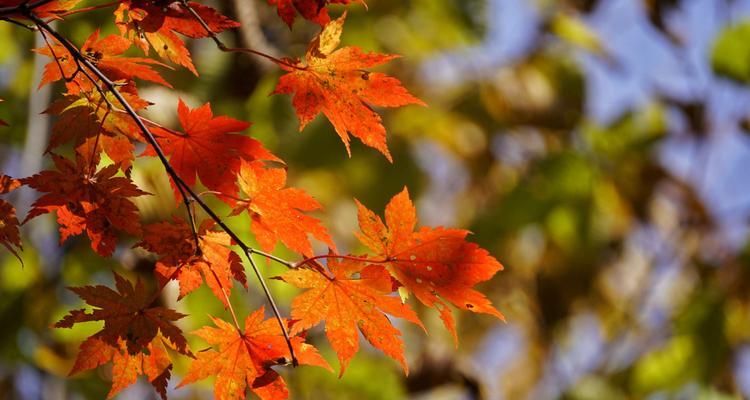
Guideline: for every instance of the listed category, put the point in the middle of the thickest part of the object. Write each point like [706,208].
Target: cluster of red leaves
[184,260]
[105,54]
[97,203]
[155,24]
[86,120]
[348,294]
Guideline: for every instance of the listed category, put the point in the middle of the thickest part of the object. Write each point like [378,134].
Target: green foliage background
[627,273]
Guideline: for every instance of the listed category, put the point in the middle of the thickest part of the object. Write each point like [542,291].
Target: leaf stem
[342,257]
[279,260]
[229,303]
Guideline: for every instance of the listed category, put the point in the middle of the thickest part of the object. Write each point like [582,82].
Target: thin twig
[228,303]
[21,24]
[224,48]
[191,218]
[342,257]
[275,309]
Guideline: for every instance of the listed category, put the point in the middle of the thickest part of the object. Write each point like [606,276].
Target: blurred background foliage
[598,148]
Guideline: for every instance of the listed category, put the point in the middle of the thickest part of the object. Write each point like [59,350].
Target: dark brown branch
[23,8]
[21,24]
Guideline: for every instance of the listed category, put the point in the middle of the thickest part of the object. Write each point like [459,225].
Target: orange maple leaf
[96,203]
[10,236]
[334,82]
[152,361]
[128,315]
[354,296]
[154,23]
[313,10]
[183,261]
[208,149]
[105,54]
[88,121]
[244,358]
[278,212]
[435,264]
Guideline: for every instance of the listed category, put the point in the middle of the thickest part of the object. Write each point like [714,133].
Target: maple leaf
[105,54]
[435,264]
[96,203]
[88,121]
[354,297]
[208,149]
[278,212]
[128,316]
[10,236]
[335,83]
[154,23]
[153,361]
[244,358]
[183,261]
[313,10]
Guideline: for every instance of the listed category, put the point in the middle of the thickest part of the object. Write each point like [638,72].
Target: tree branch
[112,88]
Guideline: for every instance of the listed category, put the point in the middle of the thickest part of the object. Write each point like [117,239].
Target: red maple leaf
[10,236]
[244,358]
[335,83]
[105,54]
[151,23]
[354,296]
[435,264]
[152,361]
[182,260]
[208,149]
[86,201]
[128,314]
[313,10]
[278,212]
